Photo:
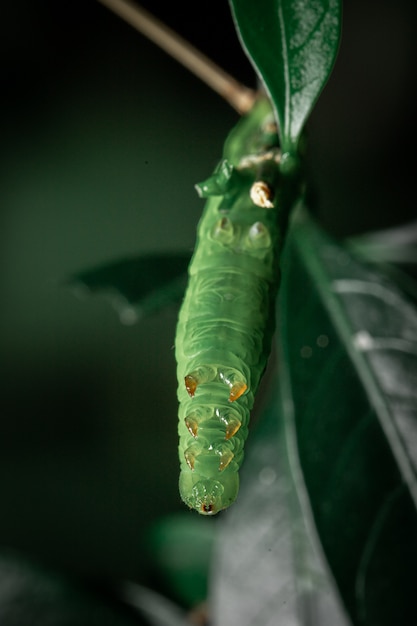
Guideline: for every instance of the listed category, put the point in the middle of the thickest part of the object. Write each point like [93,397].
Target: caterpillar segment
[226,321]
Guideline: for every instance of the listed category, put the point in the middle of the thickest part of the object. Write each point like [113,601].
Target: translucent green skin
[226,320]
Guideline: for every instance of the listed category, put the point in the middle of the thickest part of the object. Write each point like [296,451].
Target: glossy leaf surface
[267,568]
[293,46]
[350,345]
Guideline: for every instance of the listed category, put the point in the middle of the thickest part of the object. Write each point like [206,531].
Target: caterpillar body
[226,321]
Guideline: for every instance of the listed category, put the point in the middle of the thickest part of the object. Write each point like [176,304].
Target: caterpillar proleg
[226,321]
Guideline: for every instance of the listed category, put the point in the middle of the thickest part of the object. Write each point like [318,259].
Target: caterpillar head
[208,496]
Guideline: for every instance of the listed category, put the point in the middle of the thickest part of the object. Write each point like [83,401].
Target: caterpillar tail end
[208,496]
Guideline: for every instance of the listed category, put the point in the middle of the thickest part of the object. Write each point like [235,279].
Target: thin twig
[237,95]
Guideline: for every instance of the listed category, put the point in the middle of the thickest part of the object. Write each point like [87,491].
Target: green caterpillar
[226,321]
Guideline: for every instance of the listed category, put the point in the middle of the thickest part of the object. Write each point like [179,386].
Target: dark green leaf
[293,46]
[137,286]
[267,567]
[181,549]
[350,343]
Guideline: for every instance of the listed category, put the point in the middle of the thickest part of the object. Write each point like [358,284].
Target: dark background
[102,140]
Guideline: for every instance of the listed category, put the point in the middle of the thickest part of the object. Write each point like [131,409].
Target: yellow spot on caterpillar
[232,428]
[203,374]
[191,385]
[190,456]
[230,420]
[237,390]
[235,381]
[261,194]
[192,425]
[225,458]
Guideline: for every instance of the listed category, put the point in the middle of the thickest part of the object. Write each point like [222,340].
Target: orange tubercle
[190,385]
[225,459]
[189,456]
[192,426]
[237,390]
[232,428]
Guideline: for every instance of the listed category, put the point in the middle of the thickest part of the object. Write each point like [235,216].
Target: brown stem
[237,95]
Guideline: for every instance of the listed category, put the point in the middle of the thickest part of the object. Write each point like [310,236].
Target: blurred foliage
[30,594]
[181,549]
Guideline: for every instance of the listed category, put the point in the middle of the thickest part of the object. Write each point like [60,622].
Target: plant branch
[237,95]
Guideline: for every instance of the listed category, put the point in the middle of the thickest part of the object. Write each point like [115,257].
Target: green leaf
[293,46]
[137,286]
[267,566]
[350,343]
[180,547]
